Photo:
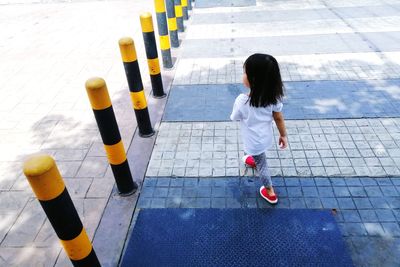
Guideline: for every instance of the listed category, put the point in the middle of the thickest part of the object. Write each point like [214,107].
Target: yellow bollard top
[44,177]
[37,165]
[127,48]
[146,21]
[96,89]
[160,6]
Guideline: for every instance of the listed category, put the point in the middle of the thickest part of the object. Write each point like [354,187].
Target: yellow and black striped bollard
[163,32]
[185,9]
[146,21]
[132,71]
[179,15]
[172,25]
[49,188]
[96,89]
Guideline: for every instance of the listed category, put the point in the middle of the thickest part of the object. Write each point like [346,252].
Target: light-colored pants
[262,168]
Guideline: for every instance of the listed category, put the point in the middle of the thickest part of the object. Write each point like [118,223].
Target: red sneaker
[272,199]
[249,161]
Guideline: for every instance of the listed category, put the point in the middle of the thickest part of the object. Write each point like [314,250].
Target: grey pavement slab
[304,100]
[224,3]
[348,147]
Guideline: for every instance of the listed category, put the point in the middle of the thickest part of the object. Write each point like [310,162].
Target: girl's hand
[283,142]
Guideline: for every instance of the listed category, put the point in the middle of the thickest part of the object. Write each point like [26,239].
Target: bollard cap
[38,164]
[147,22]
[160,6]
[43,176]
[96,89]
[127,48]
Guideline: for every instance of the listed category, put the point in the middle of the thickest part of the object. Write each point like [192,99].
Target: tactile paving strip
[236,237]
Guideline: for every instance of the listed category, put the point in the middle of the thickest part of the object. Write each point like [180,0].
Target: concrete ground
[340,61]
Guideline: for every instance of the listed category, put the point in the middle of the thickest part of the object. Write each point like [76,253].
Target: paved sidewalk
[48,51]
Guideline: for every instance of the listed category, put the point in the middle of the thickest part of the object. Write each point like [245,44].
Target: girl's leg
[263,170]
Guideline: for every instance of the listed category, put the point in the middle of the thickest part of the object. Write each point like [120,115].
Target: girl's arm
[280,124]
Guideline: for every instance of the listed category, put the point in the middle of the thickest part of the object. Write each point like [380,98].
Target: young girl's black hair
[264,76]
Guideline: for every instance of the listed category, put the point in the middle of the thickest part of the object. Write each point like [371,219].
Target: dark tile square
[233,203]
[218,203]
[313,203]
[175,192]
[233,182]
[297,203]
[329,202]
[350,215]
[203,203]
[337,182]
[385,215]
[353,181]
[322,181]
[190,182]
[160,192]
[379,203]
[233,192]
[326,192]
[294,191]
[220,182]
[292,182]
[144,203]
[262,204]
[373,191]
[392,229]
[389,191]
[188,202]
[280,191]
[204,191]
[176,182]
[394,202]
[278,181]
[218,192]
[368,181]
[396,181]
[147,191]
[173,202]
[158,203]
[163,182]
[362,203]
[397,214]
[307,182]
[384,181]
[189,192]
[341,191]
[346,203]
[150,182]
[249,191]
[310,191]
[249,202]
[205,182]
[357,191]
[368,216]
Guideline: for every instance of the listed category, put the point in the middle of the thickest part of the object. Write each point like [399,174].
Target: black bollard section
[172,25]
[179,15]
[163,32]
[96,89]
[185,9]
[49,188]
[128,53]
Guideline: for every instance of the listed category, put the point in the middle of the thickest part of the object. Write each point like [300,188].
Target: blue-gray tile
[205,182]
[329,202]
[294,191]
[160,192]
[350,215]
[389,191]
[158,203]
[394,202]
[163,182]
[310,192]
[175,192]
[189,192]
[368,181]
[374,229]
[176,182]
[385,215]
[281,191]
[204,191]
[220,182]
[278,181]
[313,203]
[150,182]
[384,181]
[368,216]
[392,229]
[218,203]
[379,203]
[218,191]
[396,181]
[249,202]
[322,181]
[373,191]
[326,192]
[297,203]
[173,202]
[354,229]
[147,191]
[346,203]
[353,181]
[362,203]
[341,191]
[232,203]
[357,191]
[144,203]
[292,182]
[337,181]
[188,202]
[190,182]
[307,182]
[203,203]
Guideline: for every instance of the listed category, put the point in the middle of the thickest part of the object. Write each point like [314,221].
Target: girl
[256,111]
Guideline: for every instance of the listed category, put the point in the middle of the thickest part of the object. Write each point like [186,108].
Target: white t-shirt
[255,124]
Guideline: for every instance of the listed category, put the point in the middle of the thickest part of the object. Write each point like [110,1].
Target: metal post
[185,9]
[179,15]
[96,89]
[131,65]
[49,188]
[163,32]
[172,25]
[146,21]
